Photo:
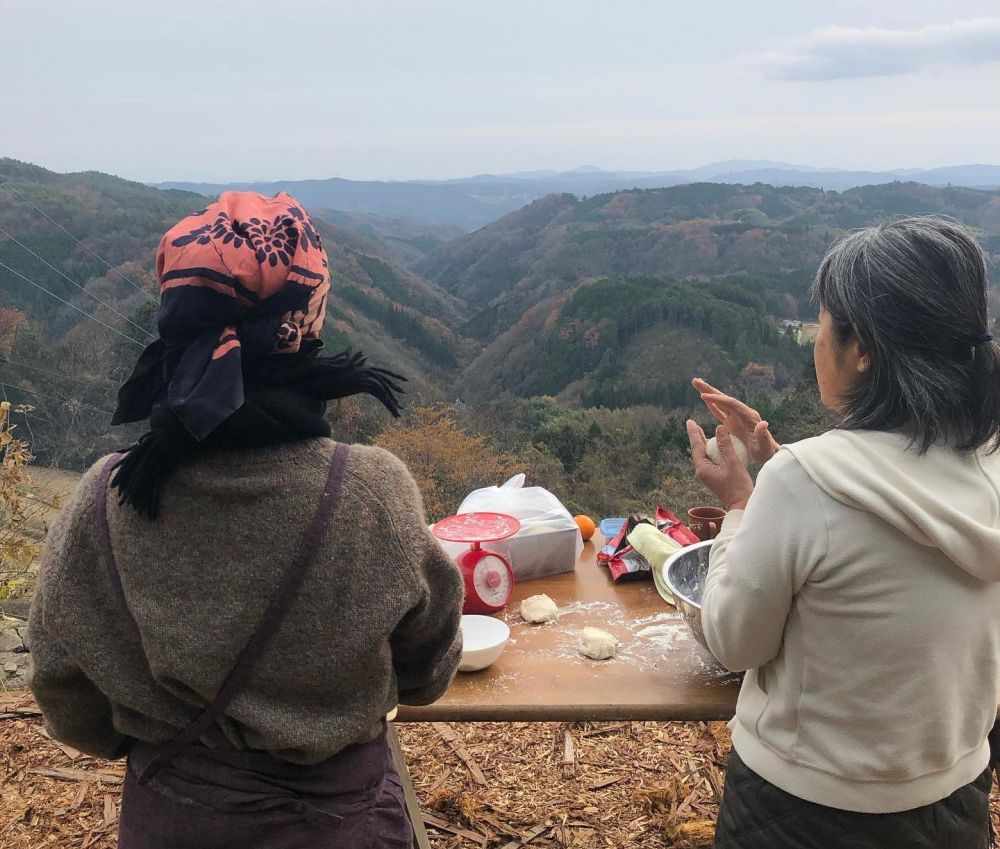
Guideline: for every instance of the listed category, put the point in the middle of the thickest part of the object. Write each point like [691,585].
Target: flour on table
[657,618]
[665,636]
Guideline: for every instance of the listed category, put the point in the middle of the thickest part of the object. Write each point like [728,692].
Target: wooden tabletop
[660,672]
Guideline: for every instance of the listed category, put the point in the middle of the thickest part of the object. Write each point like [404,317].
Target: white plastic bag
[549,540]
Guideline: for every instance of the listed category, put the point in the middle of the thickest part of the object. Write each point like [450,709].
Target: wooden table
[660,672]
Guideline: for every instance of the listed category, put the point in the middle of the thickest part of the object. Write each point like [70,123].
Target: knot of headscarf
[244,286]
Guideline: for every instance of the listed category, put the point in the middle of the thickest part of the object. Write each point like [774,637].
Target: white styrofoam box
[533,552]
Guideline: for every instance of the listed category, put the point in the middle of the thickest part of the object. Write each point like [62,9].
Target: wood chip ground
[579,786]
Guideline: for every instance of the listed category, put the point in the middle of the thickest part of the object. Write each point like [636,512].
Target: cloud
[834,53]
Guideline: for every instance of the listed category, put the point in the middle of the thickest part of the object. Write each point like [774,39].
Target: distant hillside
[118,220]
[779,174]
[404,241]
[623,342]
[68,366]
[471,202]
[696,230]
[399,319]
[748,253]
[464,206]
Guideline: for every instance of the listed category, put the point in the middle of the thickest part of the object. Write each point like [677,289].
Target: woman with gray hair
[858,582]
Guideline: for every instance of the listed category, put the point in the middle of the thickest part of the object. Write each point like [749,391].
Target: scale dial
[489,581]
[491,578]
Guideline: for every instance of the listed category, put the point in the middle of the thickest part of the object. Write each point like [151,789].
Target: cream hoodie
[861,589]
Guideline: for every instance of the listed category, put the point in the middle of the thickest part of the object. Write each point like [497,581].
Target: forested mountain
[699,230]
[534,279]
[399,319]
[621,342]
[68,364]
[118,220]
[64,366]
[611,302]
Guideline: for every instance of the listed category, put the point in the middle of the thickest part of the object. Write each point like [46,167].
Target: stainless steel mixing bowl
[685,573]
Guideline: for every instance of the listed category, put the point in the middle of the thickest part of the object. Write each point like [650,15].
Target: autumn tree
[447,461]
[19,546]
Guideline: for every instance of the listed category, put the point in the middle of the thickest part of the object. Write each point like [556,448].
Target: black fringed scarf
[285,400]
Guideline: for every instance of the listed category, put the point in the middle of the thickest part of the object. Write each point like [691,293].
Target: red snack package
[668,523]
[629,566]
[624,562]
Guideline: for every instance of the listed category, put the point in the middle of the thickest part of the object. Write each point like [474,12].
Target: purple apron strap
[103,533]
[274,615]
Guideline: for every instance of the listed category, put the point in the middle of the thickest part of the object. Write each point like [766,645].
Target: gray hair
[914,291]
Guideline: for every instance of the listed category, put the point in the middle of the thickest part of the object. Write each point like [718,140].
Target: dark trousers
[757,815]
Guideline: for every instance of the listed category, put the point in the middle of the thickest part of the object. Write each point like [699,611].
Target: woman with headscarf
[858,582]
[237,601]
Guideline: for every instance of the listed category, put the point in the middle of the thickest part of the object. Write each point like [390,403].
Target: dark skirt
[757,815]
[223,799]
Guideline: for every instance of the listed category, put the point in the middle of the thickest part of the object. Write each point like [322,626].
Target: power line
[52,377]
[78,286]
[72,402]
[72,306]
[63,397]
[6,361]
[52,374]
[75,239]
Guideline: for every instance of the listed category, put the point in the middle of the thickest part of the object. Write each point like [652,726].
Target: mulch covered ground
[496,785]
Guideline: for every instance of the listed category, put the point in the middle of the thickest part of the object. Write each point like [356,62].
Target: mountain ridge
[473,202]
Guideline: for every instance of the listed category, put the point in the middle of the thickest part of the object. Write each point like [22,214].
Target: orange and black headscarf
[244,286]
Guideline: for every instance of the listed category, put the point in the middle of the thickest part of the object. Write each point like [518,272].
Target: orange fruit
[586,526]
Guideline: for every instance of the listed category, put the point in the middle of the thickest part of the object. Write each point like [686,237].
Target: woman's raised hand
[740,420]
[730,481]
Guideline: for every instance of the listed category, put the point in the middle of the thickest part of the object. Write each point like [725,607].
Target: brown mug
[706,521]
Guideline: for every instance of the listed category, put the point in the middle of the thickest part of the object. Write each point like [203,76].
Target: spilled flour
[665,617]
[588,607]
[665,636]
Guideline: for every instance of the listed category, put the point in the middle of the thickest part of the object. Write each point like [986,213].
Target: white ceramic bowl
[483,641]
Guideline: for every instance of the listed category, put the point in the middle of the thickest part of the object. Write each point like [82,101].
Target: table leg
[412,804]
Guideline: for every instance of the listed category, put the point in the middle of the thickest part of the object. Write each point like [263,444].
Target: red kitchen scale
[489,580]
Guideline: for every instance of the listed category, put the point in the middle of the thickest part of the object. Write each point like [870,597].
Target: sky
[213,90]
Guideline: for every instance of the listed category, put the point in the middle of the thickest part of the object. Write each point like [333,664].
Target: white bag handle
[516,482]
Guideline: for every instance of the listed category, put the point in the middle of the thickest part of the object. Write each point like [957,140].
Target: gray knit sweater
[375,623]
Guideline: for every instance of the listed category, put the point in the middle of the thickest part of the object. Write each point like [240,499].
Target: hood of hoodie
[946,499]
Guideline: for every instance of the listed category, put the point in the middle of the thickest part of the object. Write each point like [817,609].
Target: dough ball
[715,454]
[538,609]
[598,644]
